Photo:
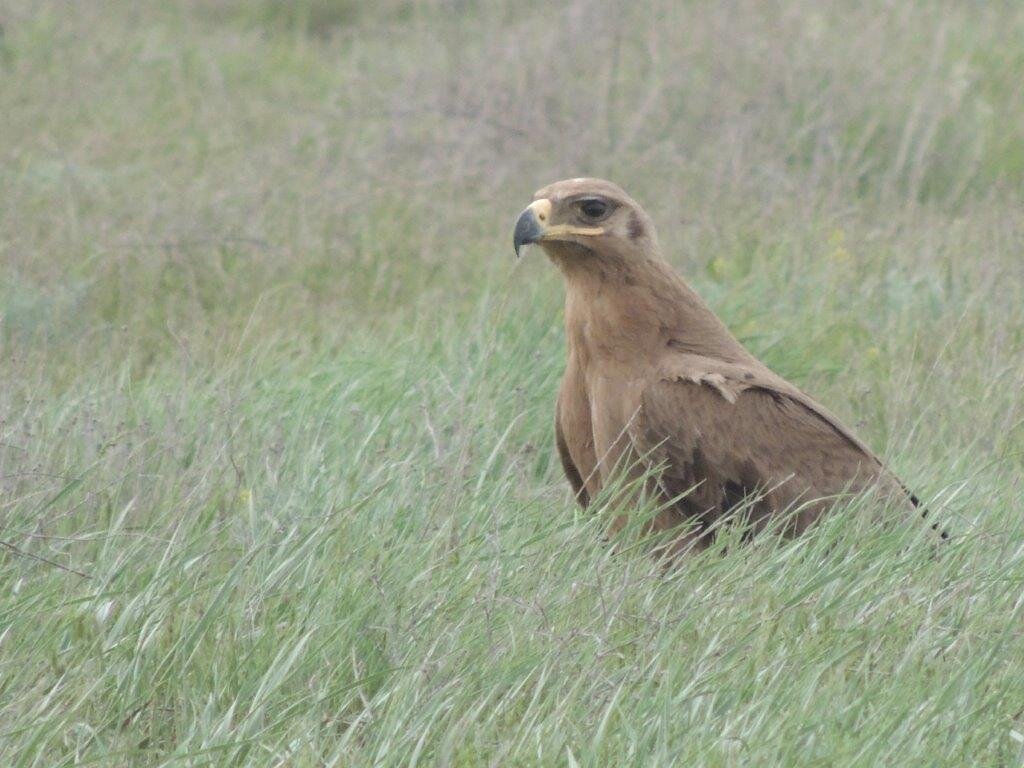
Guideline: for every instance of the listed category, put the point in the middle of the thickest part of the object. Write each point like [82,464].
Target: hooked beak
[534,226]
[531,224]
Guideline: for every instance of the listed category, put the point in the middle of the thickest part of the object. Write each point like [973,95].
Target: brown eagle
[657,386]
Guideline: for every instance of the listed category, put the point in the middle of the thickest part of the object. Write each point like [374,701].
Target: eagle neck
[629,313]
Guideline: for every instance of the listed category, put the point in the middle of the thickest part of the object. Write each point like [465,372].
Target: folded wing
[732,432]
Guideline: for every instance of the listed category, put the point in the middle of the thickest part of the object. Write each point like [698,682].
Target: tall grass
[277,484]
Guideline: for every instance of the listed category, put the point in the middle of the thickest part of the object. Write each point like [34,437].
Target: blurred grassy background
[272,382]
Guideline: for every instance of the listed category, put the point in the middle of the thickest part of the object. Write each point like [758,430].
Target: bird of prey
[656,388]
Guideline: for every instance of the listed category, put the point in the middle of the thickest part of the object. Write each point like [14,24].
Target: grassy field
[277,478]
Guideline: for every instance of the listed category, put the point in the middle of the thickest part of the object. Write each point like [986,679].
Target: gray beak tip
[528,230]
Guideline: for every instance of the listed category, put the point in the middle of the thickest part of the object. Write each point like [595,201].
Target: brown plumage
[655,380]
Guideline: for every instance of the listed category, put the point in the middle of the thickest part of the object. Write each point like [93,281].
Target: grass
[277,483]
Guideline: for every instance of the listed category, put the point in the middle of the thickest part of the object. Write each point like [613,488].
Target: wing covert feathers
[735,430]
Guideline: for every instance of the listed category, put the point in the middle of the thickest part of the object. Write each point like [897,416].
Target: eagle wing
[725,432]
[572,472]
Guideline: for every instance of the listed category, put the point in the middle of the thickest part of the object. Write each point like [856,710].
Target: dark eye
[593,208]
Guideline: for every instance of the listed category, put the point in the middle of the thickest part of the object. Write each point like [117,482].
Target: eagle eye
[593,208]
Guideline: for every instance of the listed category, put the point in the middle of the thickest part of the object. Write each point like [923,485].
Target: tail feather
[943,533]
